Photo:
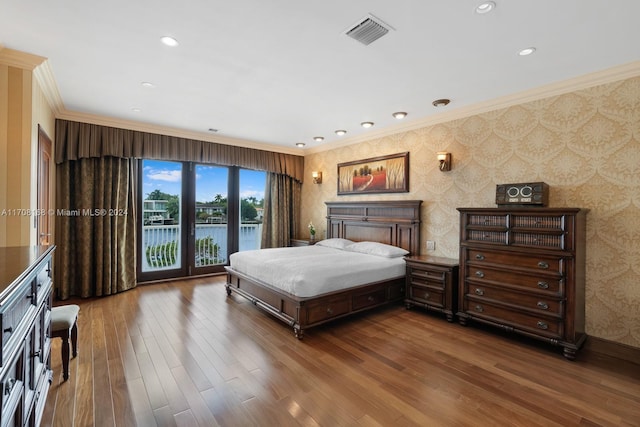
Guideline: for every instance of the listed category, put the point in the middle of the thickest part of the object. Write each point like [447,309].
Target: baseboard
[613,349]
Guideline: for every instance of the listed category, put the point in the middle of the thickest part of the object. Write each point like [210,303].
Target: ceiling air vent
[368,30]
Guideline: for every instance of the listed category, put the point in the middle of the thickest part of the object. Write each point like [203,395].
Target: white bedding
[315,270]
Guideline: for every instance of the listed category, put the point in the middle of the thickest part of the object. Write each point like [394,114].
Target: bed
[294,298]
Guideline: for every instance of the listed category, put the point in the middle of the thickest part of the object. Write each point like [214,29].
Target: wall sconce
[317,177]
[444,159]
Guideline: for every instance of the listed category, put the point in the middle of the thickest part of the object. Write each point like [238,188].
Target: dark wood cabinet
[25,320]
[522,269]
[302,242]
[432,283]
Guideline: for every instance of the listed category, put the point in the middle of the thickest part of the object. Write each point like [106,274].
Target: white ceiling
[283,71]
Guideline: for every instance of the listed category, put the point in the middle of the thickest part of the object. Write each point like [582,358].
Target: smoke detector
[368,29]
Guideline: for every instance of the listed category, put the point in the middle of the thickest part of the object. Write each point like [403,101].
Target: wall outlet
[431,245]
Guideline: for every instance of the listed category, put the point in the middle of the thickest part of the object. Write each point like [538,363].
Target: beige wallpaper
[584,144]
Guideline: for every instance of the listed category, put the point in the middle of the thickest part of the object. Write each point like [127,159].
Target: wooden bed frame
[395,223]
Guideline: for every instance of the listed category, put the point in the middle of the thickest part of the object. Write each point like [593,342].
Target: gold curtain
[75,140]
[281,210]
[95,227]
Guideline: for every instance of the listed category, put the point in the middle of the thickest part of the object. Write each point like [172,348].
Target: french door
[193,216]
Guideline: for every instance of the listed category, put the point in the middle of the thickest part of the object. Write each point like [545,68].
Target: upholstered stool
[64,324]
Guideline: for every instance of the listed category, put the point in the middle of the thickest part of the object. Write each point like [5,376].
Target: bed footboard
[303,313]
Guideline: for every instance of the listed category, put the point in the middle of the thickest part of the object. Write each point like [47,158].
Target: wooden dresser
[25,320]
[522,269]
[432,283]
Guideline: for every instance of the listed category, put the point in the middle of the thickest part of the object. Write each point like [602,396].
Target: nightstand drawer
[424,276]
[426,295]
[432,283]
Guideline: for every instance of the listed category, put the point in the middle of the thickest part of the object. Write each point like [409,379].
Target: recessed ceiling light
[441,102]
[318,138]
[366,125]
[300,144]
[527,51]
[169,41]
[485,7]
[147,84]
[341,132]
[136,110]
[400,115]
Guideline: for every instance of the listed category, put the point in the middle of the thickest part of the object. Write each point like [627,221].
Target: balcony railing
[162,246]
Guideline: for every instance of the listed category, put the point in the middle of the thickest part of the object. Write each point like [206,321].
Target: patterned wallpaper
[584,144]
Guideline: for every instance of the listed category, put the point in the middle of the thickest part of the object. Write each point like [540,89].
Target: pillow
[336,243]
[375,248]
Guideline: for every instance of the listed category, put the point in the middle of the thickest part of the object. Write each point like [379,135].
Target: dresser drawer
[12,384]
[43,282]
[538,283]
[537,325]
[510,260]
[12,314]
[539,222]
[521,301]
[487,220]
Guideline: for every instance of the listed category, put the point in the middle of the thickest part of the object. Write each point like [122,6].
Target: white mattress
[315,270]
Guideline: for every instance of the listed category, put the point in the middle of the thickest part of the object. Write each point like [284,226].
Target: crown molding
[44,76]
[169,131]
[609,75]
[15,58]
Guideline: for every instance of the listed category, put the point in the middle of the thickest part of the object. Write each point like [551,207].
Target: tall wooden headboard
[395,223]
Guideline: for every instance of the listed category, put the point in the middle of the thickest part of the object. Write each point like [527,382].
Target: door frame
[44,220]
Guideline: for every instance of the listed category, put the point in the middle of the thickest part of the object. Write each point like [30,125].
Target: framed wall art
[383,174]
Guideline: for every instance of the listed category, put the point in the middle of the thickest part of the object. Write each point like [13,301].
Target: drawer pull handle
[542,325]
[36,354]
[479,274]
[480,257]
[426,295]
[543,264]
[370,298]
[8,330]
[543,305]
[329,311]
[479,308]
[543,285]
[479,291]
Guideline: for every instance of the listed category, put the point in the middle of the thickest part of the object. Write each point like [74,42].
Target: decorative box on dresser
[522,269]
[25,320]
[432,283]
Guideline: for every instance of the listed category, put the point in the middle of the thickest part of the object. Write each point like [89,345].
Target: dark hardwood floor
[184,354]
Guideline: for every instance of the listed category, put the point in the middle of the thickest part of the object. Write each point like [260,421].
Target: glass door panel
[252,184]
[210,229]
[161,216]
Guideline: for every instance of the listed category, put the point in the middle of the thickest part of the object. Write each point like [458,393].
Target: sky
[210,180]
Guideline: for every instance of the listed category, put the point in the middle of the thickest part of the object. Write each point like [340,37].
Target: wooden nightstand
[432,283]
[302,242]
